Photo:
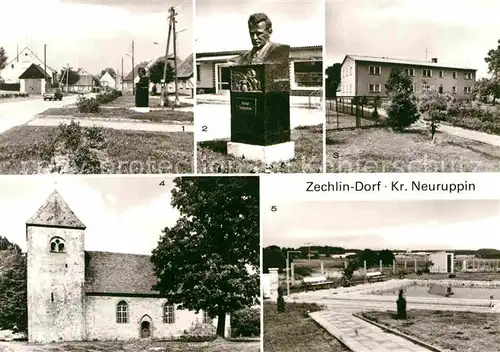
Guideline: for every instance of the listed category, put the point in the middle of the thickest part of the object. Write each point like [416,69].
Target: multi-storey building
[367,75]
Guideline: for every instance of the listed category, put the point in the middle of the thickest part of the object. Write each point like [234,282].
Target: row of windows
[377,88]
[168,313]
[377,70]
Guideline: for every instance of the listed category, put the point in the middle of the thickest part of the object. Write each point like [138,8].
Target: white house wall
[101,319]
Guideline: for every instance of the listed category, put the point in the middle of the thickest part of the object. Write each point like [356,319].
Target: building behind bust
[76,295]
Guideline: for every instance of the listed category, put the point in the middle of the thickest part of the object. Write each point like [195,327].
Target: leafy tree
[402,111]
[110,70]
[72,78]
[386,256]
[13,288]
[432,105]
[493,61]
[3,58]
[273,257]
[155,72]
[203,261]
[486,87]
[370,256]
[332,79]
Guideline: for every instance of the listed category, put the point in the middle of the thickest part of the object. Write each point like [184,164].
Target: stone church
[76,295]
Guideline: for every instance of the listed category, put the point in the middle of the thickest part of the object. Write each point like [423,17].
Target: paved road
[213,121]
[18,113]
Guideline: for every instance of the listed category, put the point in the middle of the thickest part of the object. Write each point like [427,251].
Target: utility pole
[133,70]
[176,102]
[171,18]
[122,74]
[426,53]
[67,78]
[45,64]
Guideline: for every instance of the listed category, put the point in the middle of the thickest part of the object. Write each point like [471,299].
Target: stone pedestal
[142,110]
[260,112]
[268,154]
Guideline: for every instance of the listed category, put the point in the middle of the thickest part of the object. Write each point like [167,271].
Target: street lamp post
[287,271]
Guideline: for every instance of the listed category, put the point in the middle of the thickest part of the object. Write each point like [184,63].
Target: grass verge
[456,331]
[213,157]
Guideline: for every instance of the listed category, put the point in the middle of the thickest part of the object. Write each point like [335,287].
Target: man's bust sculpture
[260,29]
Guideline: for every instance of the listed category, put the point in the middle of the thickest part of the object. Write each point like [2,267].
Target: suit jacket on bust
[269,53]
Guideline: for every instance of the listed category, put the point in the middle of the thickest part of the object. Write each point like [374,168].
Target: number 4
[162,183]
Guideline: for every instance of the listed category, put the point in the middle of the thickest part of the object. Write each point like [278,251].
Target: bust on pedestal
[401,306]
[260,98]
[142,91]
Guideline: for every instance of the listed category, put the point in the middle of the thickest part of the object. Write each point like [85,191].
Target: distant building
[342,256]
[442,262]
[33,80]
[367,75]
[306,70]
[19,64]
[184,76]
[108,81]
[87,82]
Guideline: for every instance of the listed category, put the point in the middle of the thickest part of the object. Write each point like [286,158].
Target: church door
[145,329]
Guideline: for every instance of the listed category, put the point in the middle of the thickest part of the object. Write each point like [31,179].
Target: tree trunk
[221,324]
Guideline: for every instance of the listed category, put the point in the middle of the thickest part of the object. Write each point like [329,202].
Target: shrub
[109,96]
[87,105]
[245,323]
[402,112]
[74,149]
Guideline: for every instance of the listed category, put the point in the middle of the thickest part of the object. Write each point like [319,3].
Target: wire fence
[351,112]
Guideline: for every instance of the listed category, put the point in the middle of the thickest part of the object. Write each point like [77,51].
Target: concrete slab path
[117,125]
[361,336]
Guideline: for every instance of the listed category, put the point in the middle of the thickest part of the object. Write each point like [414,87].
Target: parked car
[53,94]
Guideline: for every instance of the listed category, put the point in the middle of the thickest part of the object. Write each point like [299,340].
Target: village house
[25,73]
[108,81]
[367,75]
[87,83]
[76,295]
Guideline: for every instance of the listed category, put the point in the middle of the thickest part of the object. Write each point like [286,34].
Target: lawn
[295,331]
[213,157]
[128,152]
[381,150]
[157,116]
[129,101]
[456,331]
[136,346]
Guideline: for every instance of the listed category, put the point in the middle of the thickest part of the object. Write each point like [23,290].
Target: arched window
[122,312]
[57,245]
[168,313]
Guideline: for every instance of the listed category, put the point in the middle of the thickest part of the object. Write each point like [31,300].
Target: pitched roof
[136,70]
[405,62]
[26,49]
[56,213]
[34,71]
[107,272]
[185,69]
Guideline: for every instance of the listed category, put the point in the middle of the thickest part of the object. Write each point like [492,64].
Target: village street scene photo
[412,86]
[130,264]
[259,89]
[96,87]
[393,276]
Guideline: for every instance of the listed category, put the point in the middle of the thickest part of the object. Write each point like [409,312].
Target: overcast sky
[456,32]
[442,224]
[122,214]
[94,34]
[222,25]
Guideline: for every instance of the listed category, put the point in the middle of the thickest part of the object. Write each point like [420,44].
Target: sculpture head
[260,29]
[141,72]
